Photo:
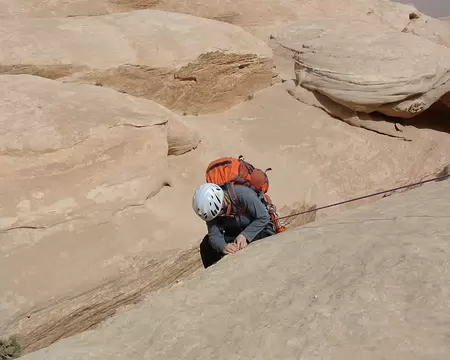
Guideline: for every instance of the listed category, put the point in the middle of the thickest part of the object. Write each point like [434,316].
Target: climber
[232,224]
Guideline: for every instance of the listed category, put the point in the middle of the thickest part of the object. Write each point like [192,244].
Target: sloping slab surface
[369,284]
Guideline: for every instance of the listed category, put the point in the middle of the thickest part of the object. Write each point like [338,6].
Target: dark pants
[211,256]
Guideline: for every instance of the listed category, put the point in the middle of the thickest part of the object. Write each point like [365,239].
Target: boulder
[185,63]
[369,284]
[372,69]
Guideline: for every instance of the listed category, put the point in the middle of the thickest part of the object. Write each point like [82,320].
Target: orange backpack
[237,171]
[228,171]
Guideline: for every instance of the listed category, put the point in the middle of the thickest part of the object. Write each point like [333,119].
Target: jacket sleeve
[215,236]
[257,211]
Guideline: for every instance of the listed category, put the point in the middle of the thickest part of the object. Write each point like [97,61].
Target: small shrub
[9,349]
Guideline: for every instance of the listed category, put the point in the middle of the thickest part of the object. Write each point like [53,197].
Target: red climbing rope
[365,197]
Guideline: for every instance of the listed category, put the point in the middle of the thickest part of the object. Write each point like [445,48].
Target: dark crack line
[138,126]
[23,228]
[31,227]
[138,204]
[46,152]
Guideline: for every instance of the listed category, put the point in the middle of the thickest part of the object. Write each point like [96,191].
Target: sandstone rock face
[181,138]
[96,186]
[260,19]
[357,71]
[70,151]
[379,291]
[137,250]
[304,146]
[186,63]
[257,17]
[432,29]
[55,8]
[244,13]
[371,69]
[72,157]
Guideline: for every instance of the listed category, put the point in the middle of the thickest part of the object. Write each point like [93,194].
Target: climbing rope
[364,197]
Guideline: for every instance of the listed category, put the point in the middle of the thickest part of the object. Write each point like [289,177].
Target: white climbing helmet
[207,201]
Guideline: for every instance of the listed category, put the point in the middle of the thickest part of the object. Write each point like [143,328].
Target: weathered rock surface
[258,18]
[304,147]
[432,29]
[371,69]
[245,13]
[70,151]
[372,283]
[181,138]
[97,260]
[72,157]
[55,8]
[112,253]
[186,63]
[372,122]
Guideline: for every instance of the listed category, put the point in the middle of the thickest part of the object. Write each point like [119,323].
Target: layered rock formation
[96,185]
[359,72]
[186,63]
[73,157]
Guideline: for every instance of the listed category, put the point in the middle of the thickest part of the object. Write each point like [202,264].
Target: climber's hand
[230,249]
[241,242]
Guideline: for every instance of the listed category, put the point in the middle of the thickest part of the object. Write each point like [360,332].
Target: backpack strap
[234,200]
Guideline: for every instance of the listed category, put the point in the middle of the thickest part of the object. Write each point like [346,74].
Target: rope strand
[364,197]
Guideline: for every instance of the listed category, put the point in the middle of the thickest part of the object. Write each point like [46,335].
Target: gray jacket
[225,229]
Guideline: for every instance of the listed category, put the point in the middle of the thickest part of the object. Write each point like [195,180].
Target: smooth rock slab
[372,283]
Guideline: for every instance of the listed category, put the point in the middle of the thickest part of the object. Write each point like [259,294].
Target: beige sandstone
[101,216]
[354,77]
[73,158]
[183,62]
[136,250]
[371,283]
[248,13]
[258,17]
